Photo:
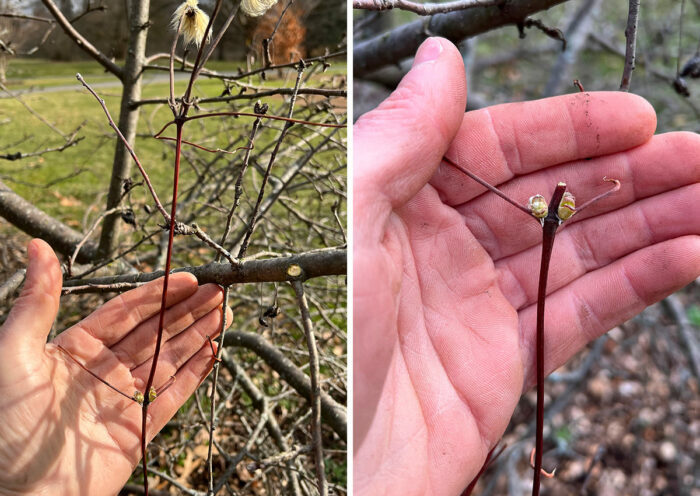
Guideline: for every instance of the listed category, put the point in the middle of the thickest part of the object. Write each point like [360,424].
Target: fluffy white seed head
[255,8]
[194,22]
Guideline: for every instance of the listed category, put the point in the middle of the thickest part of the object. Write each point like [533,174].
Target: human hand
[445,275]
[61,430]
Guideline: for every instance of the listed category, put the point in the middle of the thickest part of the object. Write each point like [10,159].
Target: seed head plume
[192,22]
[255,8]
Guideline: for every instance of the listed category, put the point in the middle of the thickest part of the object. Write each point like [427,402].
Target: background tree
[264,197]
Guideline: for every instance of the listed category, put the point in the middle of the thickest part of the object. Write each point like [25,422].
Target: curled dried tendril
[548,475]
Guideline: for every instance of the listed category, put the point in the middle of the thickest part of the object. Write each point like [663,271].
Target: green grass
[92,158]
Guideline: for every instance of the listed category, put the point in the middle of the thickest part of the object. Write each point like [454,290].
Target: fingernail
[430,50]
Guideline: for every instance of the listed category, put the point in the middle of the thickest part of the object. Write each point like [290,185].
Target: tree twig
[402,42]
[81,41]
[317,439]
[630,52]
[144,174]
[688,333]
[312,264]
[423,8]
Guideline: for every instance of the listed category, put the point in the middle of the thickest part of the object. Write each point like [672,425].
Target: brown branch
[423,8]
[12,284]
[688,333]
[254,216]
[402,42]
[240,75]
[317,263]
[126,144]
[249,96]
[81,41]
[26,17]
[35,222]
[315,399]
[74,256]
[259,401]
[631,36]
[215,381]
[332,412]
[22,155]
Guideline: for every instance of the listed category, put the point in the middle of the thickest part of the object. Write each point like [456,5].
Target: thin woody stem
[172,69]
[93,374]
[161,317]
[486,185]
[159,205]
[249,114]
[593,200]
[549,230]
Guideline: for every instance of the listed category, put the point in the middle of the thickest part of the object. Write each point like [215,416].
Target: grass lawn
[79,176]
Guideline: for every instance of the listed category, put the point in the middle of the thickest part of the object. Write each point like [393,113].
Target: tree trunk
[137,16]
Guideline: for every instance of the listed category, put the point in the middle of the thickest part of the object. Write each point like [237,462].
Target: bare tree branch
[327,92]
[402,42]
[312,264]
[315,399]
[128,119]
[12,284]
[630,53]
[81,41]
[688,333]
[423,8]
[35,222]
[332,412]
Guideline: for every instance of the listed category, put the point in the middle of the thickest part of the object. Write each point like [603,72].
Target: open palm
[64,432]
[445,275]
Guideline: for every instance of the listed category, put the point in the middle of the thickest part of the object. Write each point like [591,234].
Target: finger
[600,300]
[596,242]
[187,379]
[138,346]
[665,162]
[400,143]
[29,322]
[500,142]
[121,315]
[178,350]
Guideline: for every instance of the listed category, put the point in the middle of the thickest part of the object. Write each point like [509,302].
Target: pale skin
[61,430]
[445,275]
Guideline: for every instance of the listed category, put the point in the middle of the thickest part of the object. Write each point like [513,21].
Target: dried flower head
[255,8]
[192,22]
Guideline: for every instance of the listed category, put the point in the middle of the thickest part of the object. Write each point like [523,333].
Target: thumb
[33,313]
[398,146]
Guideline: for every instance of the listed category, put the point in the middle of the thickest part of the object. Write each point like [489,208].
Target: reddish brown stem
[92,373]
[251,114]
[486,185]
[161,317]
[549,230]
[490,458]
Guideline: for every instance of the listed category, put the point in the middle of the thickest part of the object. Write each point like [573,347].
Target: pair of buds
[539,208]
[152,395]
